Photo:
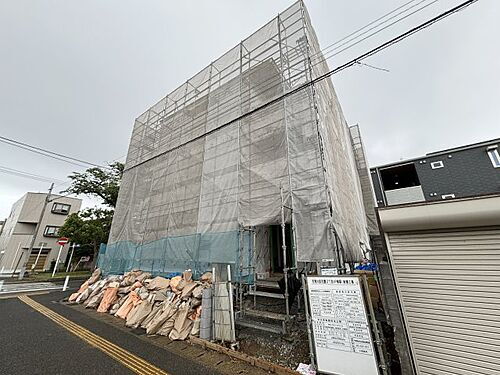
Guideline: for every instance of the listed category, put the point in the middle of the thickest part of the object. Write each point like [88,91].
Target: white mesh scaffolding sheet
[206,161]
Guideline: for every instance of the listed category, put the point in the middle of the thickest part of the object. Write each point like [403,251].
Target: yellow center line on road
[128,359]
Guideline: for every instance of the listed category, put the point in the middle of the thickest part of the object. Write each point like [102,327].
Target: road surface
[47,337]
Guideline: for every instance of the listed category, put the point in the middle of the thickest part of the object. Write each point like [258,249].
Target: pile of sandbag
[168,307]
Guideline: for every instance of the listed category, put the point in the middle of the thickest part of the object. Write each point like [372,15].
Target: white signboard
[329,271]
[342,336]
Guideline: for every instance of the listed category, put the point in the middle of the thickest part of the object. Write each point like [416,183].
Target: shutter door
[449,286]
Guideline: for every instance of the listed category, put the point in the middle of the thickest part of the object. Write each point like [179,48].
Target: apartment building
[19,229]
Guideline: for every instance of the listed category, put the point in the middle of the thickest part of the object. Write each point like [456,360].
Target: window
[51,231]
[494,156]
[399,177]
[61,208]
[437,164]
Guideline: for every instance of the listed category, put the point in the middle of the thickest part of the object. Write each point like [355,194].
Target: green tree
[103,183]
[89,228]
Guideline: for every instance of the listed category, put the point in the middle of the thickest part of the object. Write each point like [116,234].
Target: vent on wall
[437,164]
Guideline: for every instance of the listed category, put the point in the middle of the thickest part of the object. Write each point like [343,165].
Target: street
[35,344]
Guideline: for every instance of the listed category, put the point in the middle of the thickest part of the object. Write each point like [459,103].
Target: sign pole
[57,261]
[37,257]
[70,257]
[65,286]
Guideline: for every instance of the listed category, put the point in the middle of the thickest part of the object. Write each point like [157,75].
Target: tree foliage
[98,182]
[89,228]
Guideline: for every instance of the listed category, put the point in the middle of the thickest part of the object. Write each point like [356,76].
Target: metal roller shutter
[449,286]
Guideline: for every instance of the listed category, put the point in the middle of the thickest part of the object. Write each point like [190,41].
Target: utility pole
[39,224]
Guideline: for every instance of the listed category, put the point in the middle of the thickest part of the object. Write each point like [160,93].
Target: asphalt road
[33,344]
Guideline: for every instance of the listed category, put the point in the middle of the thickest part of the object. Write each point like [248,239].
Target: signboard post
[341,334]
[41,244]
[71,256]
[61,241]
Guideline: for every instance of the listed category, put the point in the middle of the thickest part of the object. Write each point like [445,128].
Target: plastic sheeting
[197,171]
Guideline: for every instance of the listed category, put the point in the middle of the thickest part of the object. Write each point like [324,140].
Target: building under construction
[248,163]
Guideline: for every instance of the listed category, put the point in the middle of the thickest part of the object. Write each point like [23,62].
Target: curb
[254,361]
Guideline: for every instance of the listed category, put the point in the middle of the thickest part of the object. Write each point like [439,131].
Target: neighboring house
[442,261]
[20,227]
[212,167]
[453,173]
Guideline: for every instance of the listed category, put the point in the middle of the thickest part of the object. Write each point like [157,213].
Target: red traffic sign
[63,241]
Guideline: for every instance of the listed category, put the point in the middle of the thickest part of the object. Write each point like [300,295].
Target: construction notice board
[342,337]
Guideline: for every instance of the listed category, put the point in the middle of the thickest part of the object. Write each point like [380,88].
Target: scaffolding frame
[213,157]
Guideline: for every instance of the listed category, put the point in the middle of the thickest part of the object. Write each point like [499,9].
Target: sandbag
[130,277]
[167,327]
[83,287]
[73,297]
[187,275]
[95,300]
[127,306]
[139,313]
[143,276]
[161,295]
[114,309]
[182,325]
[188,290]
[158,283]
[108,299]
[83,296]
[181,284]
[97,287]
[89,292]
[96,275]
[168,310]
[174,281]
[195,331]
[154,312]
[198,291]
[135,285]
[206,277]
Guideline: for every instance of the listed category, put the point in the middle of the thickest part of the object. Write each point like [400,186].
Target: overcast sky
[75,74]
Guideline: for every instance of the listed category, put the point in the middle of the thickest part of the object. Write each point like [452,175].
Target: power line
[323,50]
[327,57]
[267,86]
[48,153]
[79,162]
[336,70]
[41,153]
[19,173]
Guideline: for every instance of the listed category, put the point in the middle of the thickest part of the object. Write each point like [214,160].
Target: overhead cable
[267,86]
[19,173]
[48,153]
[336,70]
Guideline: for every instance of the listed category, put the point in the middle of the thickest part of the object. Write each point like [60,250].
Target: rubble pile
[169,307]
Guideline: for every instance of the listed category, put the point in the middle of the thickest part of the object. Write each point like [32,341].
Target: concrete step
[267,284]
[268,327]
[266,294]
[266,314]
